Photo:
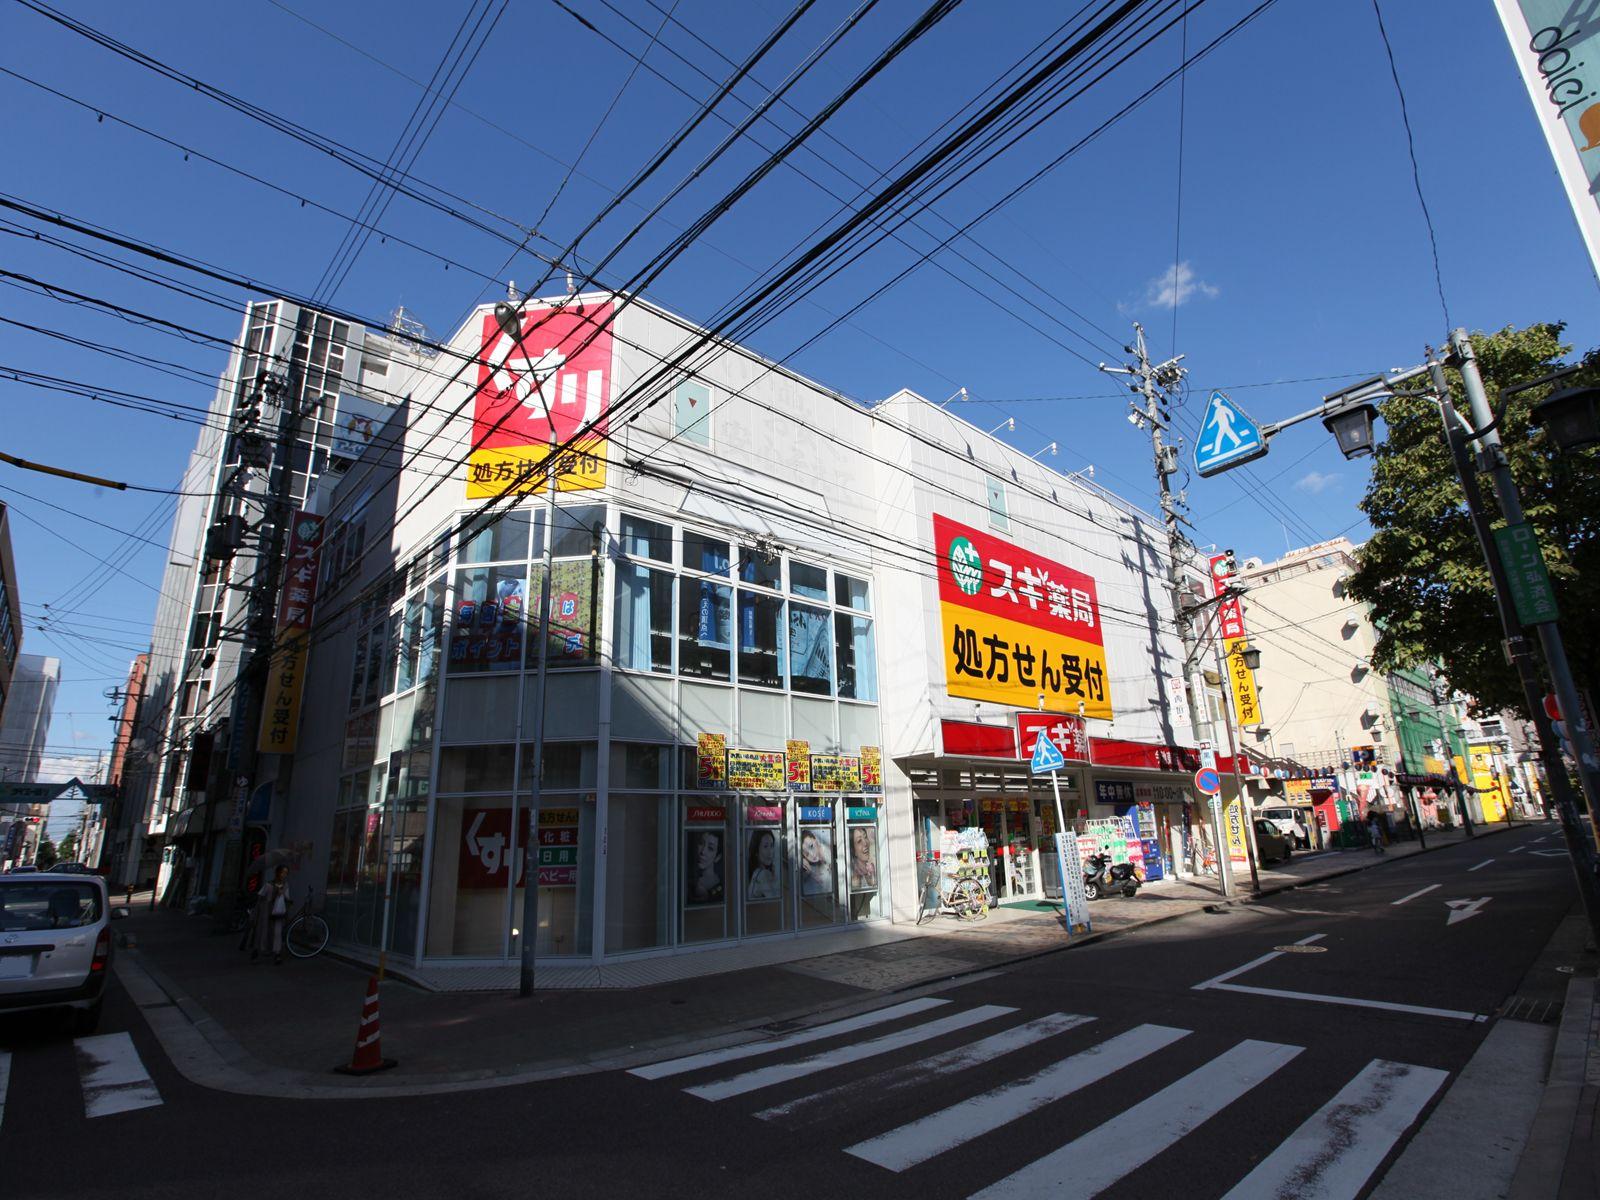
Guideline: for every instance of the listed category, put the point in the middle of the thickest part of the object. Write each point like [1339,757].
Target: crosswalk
[111,1076]
[866,1071]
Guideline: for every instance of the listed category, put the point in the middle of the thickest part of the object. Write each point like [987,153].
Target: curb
[1544,1157]
[207,1055]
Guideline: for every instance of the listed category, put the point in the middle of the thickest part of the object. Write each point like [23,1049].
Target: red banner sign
[300,572]
[1004,580]
[1069,734]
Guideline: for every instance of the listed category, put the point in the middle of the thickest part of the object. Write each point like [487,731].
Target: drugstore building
[775,615]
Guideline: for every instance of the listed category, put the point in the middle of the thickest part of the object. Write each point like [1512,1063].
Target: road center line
[1415,894]
[1219,980]
[1480,866]
[1516,850]
[1353,1002]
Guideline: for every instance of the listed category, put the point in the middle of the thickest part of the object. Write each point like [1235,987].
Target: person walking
[272,914]
[1375,830]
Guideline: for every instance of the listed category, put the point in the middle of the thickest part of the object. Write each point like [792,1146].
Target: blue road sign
[1227,437]
[1208,781]
[1046,757]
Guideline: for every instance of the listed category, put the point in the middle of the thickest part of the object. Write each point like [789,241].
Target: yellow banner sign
[280,706]
[1009,662]
[871,770]
[1246,702]
[711,759]
[799,753]
[1233,822]
[497,470]
[835,773]
[756,771]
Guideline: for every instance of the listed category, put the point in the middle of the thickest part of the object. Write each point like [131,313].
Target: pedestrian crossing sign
[1227,437]
[1046,757]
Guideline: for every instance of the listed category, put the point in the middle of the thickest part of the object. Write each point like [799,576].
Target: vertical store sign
[286,676]
[1016,625]
[1557,48]
[564,362]
[1230,616]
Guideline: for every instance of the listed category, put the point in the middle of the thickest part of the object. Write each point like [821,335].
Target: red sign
[485,856]
[700,814]
[563,361]
[978,741]
[1069,734]
[1004,580]
[1230,613]
[300,572]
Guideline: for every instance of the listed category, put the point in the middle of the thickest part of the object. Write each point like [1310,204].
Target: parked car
[1271,843]
[55,944]
[26,869]
[1289,822]
[72,868]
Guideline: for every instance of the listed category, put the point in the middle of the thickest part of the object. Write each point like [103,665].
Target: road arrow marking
[1551,853]
[1461,910]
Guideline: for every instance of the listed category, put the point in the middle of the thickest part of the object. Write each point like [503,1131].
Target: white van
[55,944]
[1289,823]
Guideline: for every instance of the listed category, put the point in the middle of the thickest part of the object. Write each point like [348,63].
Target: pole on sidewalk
[1247,829]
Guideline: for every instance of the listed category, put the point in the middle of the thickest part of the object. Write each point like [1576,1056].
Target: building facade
[24,732]
[10,609]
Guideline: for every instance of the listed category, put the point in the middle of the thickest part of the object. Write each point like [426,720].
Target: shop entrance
[1008,823]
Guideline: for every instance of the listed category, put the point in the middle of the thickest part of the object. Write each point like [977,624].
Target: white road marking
[1516,850]
[1418,892]
[5,1082]
[1333,1154]
[711,1058]
[918,1074]
[1353,1002]
[1088,1166]
[1219,980]
[114,1080]
[1551,853]
[1461,910]
[1480,866]
[928,1136]
[763,1077]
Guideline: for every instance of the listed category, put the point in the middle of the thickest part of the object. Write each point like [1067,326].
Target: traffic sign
[1046,757]
[1227,437]
[1208,781]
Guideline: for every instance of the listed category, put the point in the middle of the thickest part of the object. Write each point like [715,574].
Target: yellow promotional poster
[835,773]
[1017,628]
[1493,794]
[1233,819]
[871,770]
[799,754]
[756,771]
[1297,791]
[496,471]
[1242,683]
[280,706]
[711,761]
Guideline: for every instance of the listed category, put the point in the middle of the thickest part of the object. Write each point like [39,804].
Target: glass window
[391,654]
[707,898]
[638,872]
[566,765]
[507,539]
[574,615]
[472,862]
[640,765]
[818,866]
[577,530]
[476,768]
[996,495]
[408,650]
[642,624]
[701,553]
[849,592]
[358,673]
[806,580]
[810,650]
[646,539]
[374,679]
[760,567]
[857,659]
[691,412]
[431,632]
[761,640]
[487,631]
[765,879]
[705,628]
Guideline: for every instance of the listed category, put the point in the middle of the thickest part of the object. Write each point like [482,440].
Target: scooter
[1102,878]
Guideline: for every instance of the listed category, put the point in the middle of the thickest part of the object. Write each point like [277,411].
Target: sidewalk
[279,1030]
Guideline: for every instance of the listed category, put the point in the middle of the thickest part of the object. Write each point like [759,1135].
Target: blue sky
[1303,252]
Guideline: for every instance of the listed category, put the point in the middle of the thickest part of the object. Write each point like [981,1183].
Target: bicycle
[928,899]
[968,901]
[308,934]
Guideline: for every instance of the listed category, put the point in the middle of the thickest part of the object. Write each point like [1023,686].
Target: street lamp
[1252,658]
[1571,417]
[1352,429]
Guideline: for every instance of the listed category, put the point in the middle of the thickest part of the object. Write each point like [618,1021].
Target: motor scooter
[1103,878]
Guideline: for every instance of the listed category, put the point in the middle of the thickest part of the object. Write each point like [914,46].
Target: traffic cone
[368,1056]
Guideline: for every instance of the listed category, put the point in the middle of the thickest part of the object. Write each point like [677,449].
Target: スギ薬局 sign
[562,364]
[1017,624]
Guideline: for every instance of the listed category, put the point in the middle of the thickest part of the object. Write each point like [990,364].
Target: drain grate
[1530,1009]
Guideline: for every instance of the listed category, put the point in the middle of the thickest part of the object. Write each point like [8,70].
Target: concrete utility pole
[1155,384]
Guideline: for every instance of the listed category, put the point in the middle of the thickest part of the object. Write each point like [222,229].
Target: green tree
[67,851]
[1422,572]
[45,855]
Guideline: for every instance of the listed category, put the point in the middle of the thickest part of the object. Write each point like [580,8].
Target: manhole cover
[1301,949]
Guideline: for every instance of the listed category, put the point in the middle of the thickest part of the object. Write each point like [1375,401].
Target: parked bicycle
[967,898]
[308,934]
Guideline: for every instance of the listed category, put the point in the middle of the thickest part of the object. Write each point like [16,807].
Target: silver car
[55,944]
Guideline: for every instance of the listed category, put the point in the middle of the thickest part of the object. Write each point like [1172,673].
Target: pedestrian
[1375,830]
[272,914]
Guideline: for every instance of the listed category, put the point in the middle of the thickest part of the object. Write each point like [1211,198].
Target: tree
[67,851]
[45,856]
[1422,573]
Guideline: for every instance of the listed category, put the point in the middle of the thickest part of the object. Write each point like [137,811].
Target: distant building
[124,821]
[10,610]
[24,728]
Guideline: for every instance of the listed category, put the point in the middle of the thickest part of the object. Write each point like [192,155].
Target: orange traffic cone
[368,1056]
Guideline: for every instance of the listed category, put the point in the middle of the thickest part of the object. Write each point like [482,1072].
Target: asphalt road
[1193,1058]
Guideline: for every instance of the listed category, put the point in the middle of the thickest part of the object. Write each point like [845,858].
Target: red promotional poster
[542,390]
[300,572]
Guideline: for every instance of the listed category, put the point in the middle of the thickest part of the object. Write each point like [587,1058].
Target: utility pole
[1154,385]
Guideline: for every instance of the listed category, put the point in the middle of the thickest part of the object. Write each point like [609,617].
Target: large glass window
[707,897]
[808,581]
[472,862]
[857,658]
[646,539]
[810,650]
[761,639]
[509,538]
[490,616]
[995,493]
[765,881]
[760,567]
[642,630]
[639,841]
[707,554]
[691,412]
[578,530]
[850,592]
[705,628]
[818,865]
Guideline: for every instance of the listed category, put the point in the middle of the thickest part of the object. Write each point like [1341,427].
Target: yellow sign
[835,773]
[1493,794]
[756,771]
[495,471]
[711,758]
[1297,791]
[1008,662]
[280,706]
[1246,703]
[871,769]
[1233,820]
[799,754]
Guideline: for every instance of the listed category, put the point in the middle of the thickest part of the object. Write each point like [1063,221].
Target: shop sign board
[756,770]
[856,814]
[835,773]
[1531,592]
[558,847]
[560,366]
[1069,734]
[1297,791]
[1158,793]
[1233,822]
[1230,619]
[872,770]
[1113,791]
[706,814]
[764,814]
[357,423]
[816,814]
[1017,625]
[286,675]
[799,755]
[711,761]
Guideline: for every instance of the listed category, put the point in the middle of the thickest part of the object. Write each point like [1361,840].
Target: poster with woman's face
[816,862]
[761,866]
[863,859]
[702,871]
